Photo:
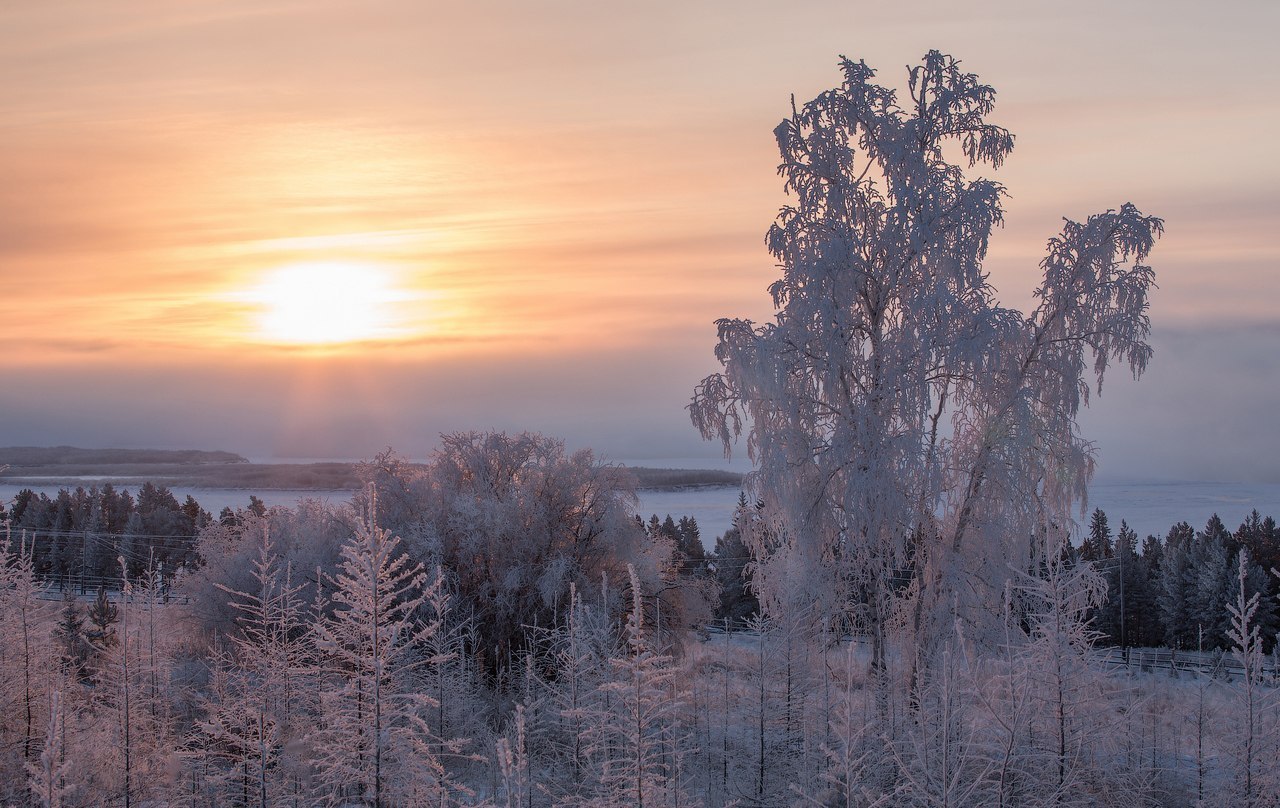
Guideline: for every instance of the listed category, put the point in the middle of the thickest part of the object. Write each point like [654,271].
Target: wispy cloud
[551,181]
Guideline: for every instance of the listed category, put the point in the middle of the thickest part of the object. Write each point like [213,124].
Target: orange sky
[560,198]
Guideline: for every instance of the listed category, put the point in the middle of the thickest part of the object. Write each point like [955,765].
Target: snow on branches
[912,437]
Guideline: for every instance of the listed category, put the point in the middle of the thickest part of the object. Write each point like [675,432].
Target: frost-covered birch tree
[911,435]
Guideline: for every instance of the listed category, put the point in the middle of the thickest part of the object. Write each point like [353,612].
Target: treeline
[77,536]
[42,456]
[1169,591]
[1175,591]
[667,479]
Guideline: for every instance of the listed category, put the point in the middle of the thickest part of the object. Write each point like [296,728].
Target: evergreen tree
[1097,545]
[1260,537]
[1066,731]
[654,528]
[61,553]
[1174,594]
[71,636]
[375,746]
[669,529]
[27,661]
[689,543]
[1146,626]
[1126,591]
[632,734]
[1256,783]
[47,776]
[1209,585]
[581,647]
[103,615]
[1257,582]
[732,562]
[132,690]
[249,741]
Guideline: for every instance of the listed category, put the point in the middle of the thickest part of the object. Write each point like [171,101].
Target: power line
[72,532]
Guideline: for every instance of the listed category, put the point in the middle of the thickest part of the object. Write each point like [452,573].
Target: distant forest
[70,455]
[65,465]
[1161,591]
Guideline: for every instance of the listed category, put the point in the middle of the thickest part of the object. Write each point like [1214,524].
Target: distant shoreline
[66,466]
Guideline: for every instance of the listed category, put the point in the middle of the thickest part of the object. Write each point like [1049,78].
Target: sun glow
[327,303]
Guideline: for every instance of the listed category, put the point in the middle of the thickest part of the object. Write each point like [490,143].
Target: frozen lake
[1148,506]
[712,506]
[1152,507]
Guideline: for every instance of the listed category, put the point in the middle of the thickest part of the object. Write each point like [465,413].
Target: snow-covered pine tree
[854,769]
[1175,594]
[1005,691]
[246,746]
[1071,754]
[632,733]
[230,756]
[133,693]
[155,665]
[579,648]
[374,745]
[512,754]
[1255,782]
[27,659]
[938,757]
[47,777]
[1210,585]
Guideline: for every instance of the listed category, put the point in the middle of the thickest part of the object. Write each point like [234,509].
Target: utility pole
[1124,640]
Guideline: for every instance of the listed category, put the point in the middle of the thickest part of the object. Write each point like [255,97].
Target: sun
[326,303]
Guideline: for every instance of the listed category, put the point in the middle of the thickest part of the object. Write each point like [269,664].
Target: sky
[321,229]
